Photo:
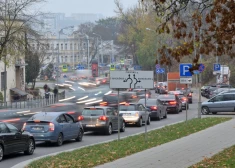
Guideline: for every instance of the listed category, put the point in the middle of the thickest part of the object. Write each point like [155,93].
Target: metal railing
[32,102]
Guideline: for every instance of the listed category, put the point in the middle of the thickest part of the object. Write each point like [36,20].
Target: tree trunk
[33,84]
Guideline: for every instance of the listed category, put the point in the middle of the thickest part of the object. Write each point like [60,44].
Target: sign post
[132,80]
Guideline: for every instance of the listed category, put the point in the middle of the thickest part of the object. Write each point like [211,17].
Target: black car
[184,101]
[13,140]
[172,102]
[141,93]
[112,100]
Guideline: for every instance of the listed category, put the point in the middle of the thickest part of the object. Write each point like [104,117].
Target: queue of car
[63,121]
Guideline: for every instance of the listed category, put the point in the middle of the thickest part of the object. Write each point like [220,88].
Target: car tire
[140,122]
[159,117]
[148,121]
[177,111]
[109,130]
[1,153]
[205,110]
[165,116]
[30,147]
[59,141]
[80,136]
[180,109]
[123,127]
[214,112]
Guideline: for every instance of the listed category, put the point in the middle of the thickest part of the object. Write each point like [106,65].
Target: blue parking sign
[216,67]
[184,70]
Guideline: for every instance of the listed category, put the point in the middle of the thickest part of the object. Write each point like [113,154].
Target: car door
[64,126]
[73,127]
[9,140]
[142,111]
[228,102]
[216,104]
[112,117]
[178,102]
[21,141]
[160,108]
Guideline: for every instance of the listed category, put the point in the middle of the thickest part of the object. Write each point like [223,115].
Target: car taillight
[147,95]
[80,118]
[103,103]
[172,103]
[190,94]
[23,128]
[133,96]
[184,99]
[153,108]
[104,81]
[103,118]
[71,112]
[51,127]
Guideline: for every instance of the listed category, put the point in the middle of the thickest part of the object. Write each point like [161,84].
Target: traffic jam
[101,111]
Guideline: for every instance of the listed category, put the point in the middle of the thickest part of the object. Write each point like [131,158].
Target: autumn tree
[207,29]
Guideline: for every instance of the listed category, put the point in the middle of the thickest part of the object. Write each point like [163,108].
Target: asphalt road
[91,138]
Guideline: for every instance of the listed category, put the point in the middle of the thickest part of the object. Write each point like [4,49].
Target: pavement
[182,152]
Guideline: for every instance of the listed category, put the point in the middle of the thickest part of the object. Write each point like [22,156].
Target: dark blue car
[54,127]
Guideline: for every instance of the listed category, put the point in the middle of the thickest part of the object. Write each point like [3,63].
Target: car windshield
[127,108]
[93,112]
[109,98]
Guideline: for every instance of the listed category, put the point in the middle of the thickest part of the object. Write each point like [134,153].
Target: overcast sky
[104,7]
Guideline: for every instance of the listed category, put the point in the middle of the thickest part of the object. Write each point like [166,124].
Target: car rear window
[166,97]
[93,112]
[148,101]
[139,92]
[127,108]
[110,98]
[42,117]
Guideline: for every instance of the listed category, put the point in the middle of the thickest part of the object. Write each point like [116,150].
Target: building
[65,49]
[15,75]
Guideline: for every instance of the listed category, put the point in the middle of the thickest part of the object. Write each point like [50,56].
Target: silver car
[134,113]
[220,103]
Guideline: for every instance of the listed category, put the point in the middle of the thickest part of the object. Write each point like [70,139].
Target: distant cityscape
[53,22]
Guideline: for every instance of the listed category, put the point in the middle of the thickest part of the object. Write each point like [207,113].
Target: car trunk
[37,126]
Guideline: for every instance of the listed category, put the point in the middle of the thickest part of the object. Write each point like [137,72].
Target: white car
[134,113]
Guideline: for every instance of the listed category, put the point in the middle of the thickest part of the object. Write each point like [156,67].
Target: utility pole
[111,61]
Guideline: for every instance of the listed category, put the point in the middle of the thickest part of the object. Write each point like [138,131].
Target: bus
[65,68]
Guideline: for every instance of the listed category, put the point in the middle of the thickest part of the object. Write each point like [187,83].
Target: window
[228,97]
[91,112]
[62,59]
[62,119]
[3,128]
[71,59]
[218,98]
[61,47]
[127,108]
[52,46]
[12,128]
[65,47]
[57,46]
[69,118]
[75,46]
[65,59]
[71,46]
[110,111]
[3,81]
[75,58]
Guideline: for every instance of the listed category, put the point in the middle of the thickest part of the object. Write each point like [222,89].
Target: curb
[27,162]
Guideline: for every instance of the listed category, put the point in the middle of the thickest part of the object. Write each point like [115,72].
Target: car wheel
[148,122]
[30,148]
[214,112]
[123,127]
[1,153]
[205,110]
[140,123]
[59,140]
[159,116]
[109,130]
[80,136]
[165,116]
[177,111]
[180,109]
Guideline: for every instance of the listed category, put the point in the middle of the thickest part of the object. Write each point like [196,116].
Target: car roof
[103,107]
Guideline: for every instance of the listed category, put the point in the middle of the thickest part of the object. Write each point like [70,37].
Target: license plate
[37,128]
[127,114]
[90,125]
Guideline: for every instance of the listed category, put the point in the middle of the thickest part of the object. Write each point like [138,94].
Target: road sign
[160,70]
[217,67]
[80,67]
[137,67]
[158,66]
[186,80]
[196,72]
[112,67]
[131,79]
[201,68]
[184,70]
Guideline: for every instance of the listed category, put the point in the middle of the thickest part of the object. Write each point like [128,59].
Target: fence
[33,102]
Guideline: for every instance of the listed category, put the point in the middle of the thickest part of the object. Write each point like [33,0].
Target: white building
[15,82]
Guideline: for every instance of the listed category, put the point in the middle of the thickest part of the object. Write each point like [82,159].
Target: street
[91,138]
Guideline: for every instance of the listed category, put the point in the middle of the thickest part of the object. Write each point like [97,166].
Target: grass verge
[225,159]
[102,153]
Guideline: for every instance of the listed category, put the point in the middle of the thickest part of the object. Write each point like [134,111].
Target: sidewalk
[183,152]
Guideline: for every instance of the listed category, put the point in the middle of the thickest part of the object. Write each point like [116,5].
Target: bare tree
[14,18]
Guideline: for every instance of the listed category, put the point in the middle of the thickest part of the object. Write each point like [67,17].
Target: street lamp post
[88,48]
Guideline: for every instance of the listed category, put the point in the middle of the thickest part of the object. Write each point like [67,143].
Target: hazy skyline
[104,7]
